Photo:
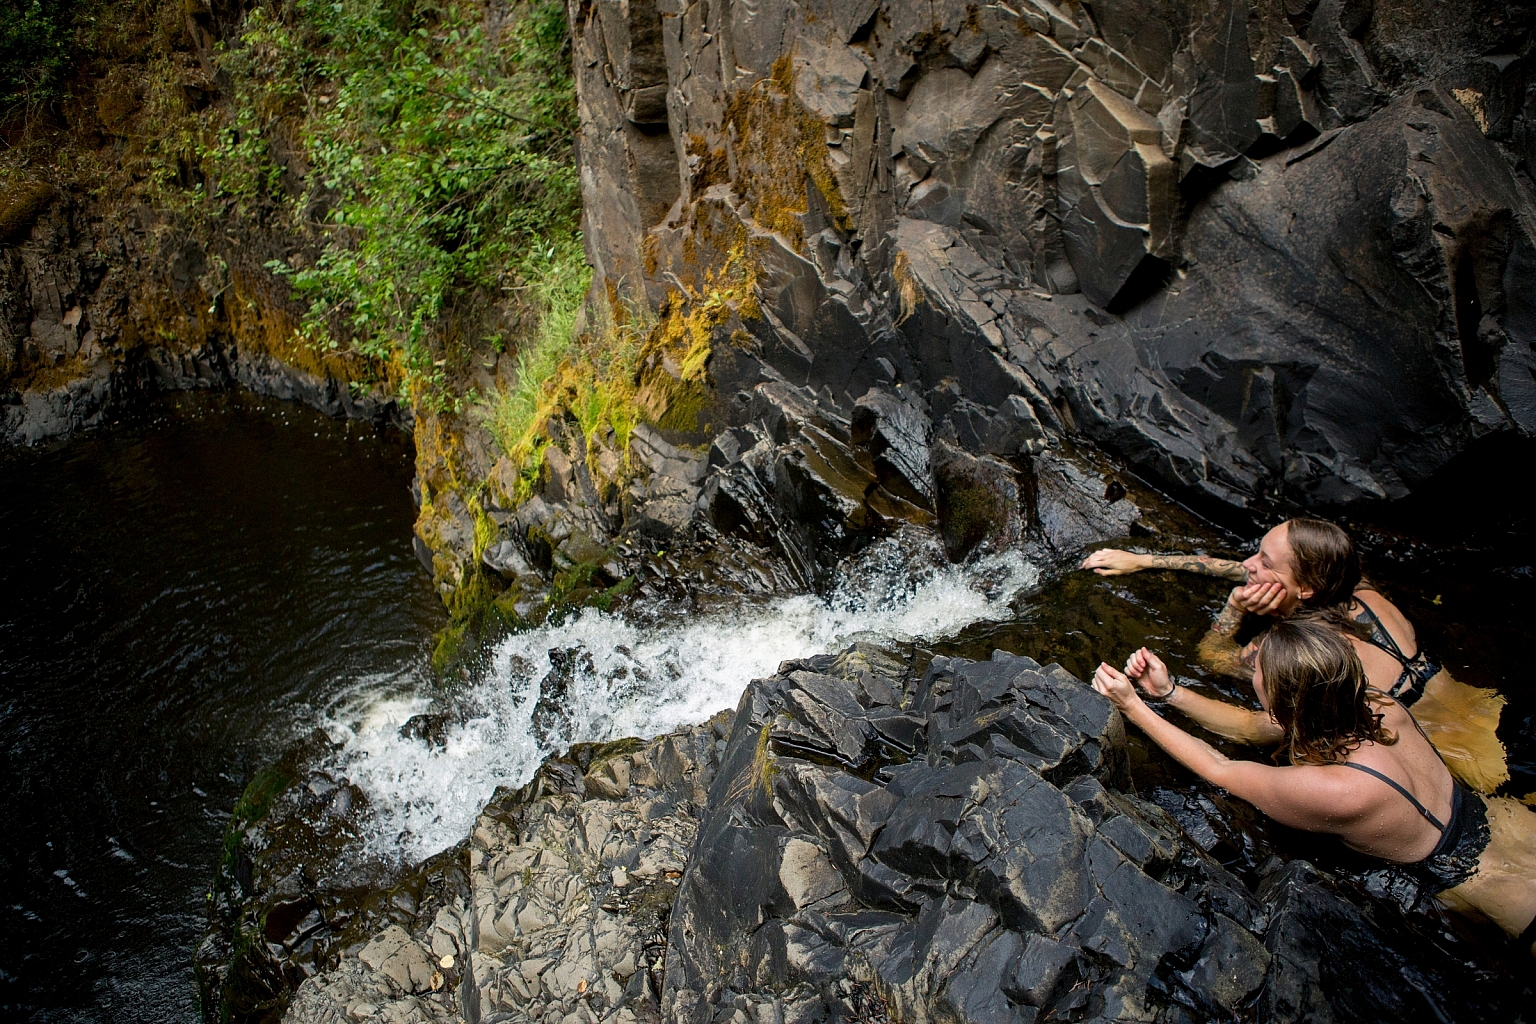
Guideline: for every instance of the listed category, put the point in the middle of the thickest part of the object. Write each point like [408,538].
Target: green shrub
[34,49]
[441,157]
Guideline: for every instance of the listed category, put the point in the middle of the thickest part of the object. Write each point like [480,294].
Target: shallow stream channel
[188,594]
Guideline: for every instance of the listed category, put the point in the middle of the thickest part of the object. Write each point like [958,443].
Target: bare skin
[1366,813]
[1113,562]
[1243,725]
[1462,719]
[1267,586]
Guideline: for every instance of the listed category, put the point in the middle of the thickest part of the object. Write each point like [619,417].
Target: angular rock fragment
[1118,193]
[896,430]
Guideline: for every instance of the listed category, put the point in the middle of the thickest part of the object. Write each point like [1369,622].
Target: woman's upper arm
[1303,797]
[1266,729]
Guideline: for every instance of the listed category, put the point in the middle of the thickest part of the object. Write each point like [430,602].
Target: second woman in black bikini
[1361,769]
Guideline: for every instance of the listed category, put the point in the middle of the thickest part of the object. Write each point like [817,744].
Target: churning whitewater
[627,679]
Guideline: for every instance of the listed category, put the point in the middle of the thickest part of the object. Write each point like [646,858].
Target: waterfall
[624,678]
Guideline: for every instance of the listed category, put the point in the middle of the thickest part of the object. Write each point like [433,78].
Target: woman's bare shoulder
[1325,795]
[1395,718]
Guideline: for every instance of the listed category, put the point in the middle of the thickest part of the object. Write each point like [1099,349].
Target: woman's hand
[1150,674]
[1258,598]
[1113,684]
[1114,562]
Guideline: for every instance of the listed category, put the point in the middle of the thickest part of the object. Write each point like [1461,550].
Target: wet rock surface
[570,885]
[296,887]
[1258,251]
[966,843]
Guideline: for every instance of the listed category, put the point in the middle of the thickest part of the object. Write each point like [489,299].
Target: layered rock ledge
[874,839]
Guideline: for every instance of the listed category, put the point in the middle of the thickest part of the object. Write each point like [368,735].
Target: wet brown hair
[1324,560]
[1318,692]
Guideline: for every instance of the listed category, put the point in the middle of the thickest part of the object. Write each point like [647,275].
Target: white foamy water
[628,679]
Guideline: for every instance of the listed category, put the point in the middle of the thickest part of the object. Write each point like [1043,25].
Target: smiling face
[1275,563]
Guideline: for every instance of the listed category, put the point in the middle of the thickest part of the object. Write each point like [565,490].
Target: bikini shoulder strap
[1380,637]
[1394,784]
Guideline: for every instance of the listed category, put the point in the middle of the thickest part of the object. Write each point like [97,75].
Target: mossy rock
[589,756]
[21,201]
[968,516]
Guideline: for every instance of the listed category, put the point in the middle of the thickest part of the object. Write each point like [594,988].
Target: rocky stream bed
[872,838]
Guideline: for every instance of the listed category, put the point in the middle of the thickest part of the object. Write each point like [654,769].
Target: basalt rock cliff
[1262,250]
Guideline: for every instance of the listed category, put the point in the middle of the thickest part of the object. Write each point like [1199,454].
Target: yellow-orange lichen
[908,291]
[779,145]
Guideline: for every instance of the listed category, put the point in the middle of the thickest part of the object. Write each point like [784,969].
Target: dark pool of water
[179,596]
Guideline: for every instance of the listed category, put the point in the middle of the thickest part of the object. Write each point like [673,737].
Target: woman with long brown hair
[1360,769]
[1309,567]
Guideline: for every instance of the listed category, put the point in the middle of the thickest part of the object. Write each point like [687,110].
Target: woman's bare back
[1461,720]
[1393,828]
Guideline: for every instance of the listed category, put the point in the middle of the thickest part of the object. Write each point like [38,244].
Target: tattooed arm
[1113,562]
[1218,649]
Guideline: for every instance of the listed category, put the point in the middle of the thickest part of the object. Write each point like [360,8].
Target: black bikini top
[1462,839]
[1417,670]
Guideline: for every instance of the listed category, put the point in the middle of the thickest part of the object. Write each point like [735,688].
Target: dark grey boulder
[1075,507]
[966,845]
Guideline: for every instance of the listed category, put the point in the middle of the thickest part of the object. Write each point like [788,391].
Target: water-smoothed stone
[396,957]
[1075,506]
[978,501]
